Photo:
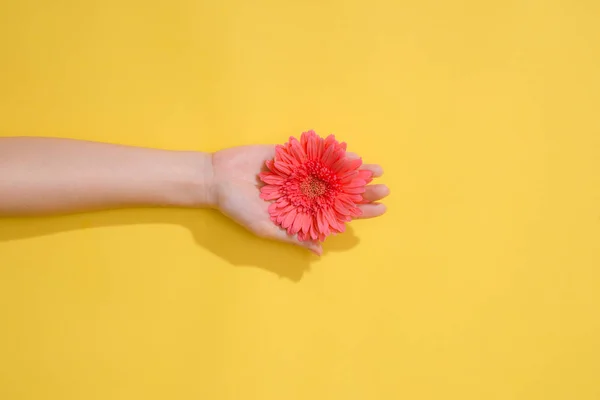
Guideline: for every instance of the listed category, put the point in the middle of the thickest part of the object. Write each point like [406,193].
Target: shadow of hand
[210,229]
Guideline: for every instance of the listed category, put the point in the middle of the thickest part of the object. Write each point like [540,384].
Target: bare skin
[236,171]
[42,176]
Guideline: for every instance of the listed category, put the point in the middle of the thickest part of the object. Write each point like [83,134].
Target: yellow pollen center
[313,187]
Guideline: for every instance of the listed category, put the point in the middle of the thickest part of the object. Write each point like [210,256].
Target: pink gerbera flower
[315,187]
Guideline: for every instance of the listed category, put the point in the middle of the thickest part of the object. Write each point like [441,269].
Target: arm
[47,176]
[60,176]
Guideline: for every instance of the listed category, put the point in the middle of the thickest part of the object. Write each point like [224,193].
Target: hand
[237,191]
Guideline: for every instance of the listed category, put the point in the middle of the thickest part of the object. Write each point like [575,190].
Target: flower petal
[351,206]
[297,225]
[308,219]
[342,225]
[311,148]
[358,182]
[282,154]
[330,141]
[273,209]
[356,212]
[270,188]
[347,165]
[366,175]
[270,195]
[269,164]
[345,199]
[270,178]
[313,232]
[297,150]
[289,219]
[348,176]
[329,157]
[281,217]
[304,139]
[263,174]
[283,167]
[289,208]
[322,223]
[303,237]
[332,219]
[320,147]
[354,190]
[340,207]
[273,168]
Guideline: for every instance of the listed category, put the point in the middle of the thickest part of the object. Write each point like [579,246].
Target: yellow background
[481,282]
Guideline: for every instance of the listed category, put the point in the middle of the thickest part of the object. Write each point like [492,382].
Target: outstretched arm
[48,176]
[41,176]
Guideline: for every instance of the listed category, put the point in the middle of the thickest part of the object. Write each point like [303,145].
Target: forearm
[45,176]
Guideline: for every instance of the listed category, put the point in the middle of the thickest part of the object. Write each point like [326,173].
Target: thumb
[314,247]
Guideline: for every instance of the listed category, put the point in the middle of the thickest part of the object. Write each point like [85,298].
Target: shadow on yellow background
[208,228]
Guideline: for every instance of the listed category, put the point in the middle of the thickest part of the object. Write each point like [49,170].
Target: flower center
[313,187]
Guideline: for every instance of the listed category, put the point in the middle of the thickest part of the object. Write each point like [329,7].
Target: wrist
[203,187]
[193,181]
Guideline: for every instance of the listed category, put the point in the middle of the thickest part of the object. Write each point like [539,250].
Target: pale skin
[47,176]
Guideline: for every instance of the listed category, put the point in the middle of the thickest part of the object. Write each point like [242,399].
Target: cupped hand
[237,190]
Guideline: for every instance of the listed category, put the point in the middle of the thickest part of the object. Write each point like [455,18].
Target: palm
[238,189]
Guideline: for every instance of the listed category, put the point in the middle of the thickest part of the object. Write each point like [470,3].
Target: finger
[375,193]
[282,235]
[372,210]
[374,168]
